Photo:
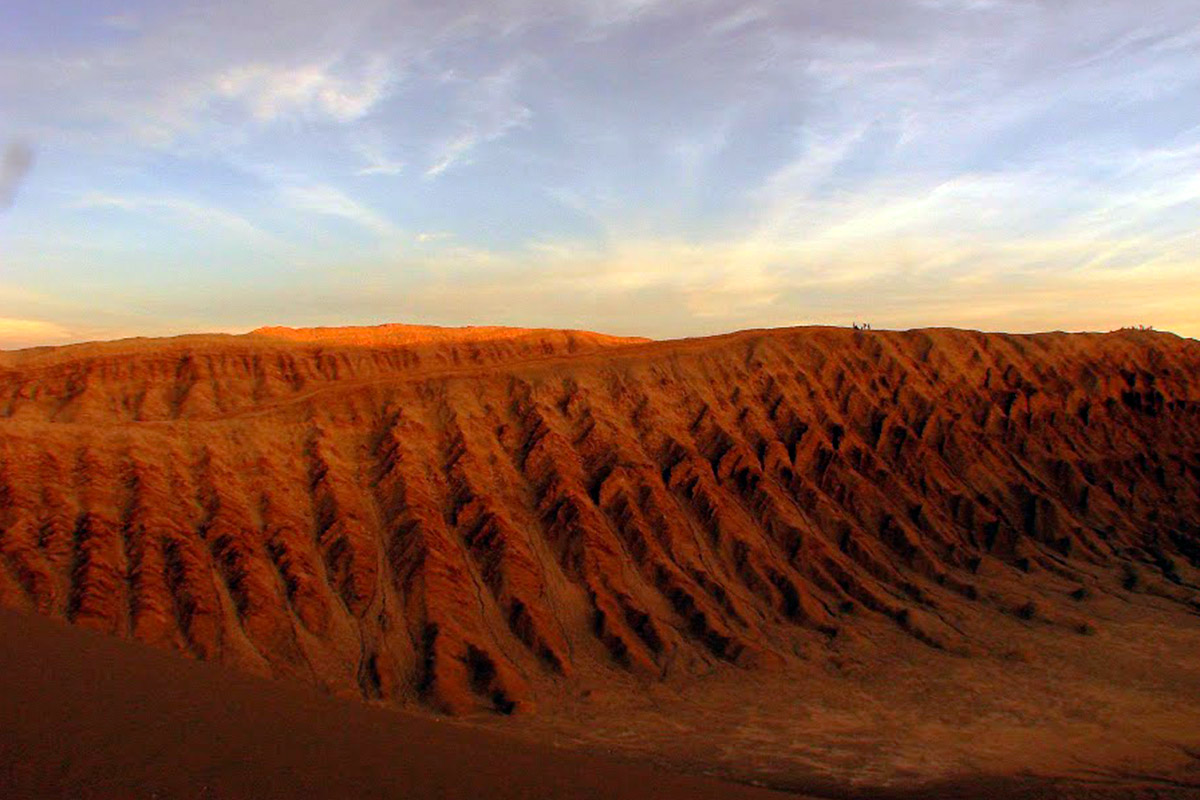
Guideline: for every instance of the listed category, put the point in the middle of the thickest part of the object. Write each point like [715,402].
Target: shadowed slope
[486,522]
[90,717]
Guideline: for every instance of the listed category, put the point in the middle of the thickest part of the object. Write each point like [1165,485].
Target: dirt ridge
[476,520]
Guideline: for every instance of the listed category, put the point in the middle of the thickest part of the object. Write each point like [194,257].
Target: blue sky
[661,167]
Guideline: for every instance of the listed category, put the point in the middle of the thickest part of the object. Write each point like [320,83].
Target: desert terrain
[840,563]
[87,716]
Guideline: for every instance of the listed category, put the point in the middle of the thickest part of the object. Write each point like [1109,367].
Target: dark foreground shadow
[88,716]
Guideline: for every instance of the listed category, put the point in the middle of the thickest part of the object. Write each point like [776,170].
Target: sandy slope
[86,716]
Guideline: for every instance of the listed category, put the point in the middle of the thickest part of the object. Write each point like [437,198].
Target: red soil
[88,717]
[493,519]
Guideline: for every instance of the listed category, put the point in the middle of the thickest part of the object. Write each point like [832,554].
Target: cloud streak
[331,202]
[197,216]
[272,92]
[490,111]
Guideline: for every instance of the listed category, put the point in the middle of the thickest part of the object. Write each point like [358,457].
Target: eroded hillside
[479,520]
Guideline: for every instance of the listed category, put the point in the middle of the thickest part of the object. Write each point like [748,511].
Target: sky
[657,167]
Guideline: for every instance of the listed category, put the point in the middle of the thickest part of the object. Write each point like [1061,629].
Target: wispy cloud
[199,216]
[332,202]
[378,164]
[272,92]
[490,110]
